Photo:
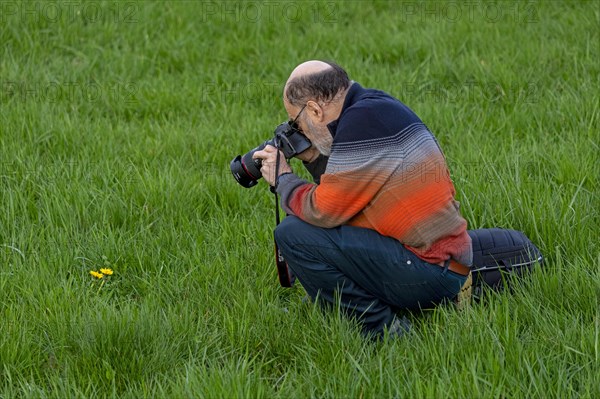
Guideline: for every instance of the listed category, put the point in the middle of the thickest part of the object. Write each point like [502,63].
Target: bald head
[308,68]
[315,80]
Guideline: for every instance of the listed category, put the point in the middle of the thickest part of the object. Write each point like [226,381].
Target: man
[379,228]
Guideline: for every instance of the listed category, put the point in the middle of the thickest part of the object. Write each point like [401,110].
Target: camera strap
[286,278]
[274,188]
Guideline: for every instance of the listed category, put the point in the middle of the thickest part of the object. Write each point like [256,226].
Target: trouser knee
[287,232]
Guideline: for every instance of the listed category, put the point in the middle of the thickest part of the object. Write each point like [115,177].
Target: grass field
[117,124]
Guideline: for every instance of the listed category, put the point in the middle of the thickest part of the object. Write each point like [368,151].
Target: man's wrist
[282,175]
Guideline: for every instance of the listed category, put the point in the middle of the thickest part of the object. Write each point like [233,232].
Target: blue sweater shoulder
[372,114]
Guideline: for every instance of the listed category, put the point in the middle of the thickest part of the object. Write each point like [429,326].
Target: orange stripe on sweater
[332,204]
[422,202]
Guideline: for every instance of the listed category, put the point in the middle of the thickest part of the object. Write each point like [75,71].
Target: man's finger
[261,154]
[269,149]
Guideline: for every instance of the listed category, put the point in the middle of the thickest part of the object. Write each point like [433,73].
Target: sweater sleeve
[339,196]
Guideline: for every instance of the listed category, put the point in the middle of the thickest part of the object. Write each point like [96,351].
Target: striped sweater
[386,172]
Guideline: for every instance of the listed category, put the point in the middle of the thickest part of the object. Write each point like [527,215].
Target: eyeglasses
[293,123]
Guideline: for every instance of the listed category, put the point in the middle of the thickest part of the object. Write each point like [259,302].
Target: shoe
[399,326]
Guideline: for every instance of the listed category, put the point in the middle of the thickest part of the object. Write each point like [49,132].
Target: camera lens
[246,170]
[246,173]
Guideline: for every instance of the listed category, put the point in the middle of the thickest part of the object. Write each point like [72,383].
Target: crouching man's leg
[371,273]
[313,255]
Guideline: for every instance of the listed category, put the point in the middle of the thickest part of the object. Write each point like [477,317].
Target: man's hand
[309,155]
[269,161]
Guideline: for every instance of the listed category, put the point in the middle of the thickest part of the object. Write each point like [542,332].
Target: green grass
[117,125]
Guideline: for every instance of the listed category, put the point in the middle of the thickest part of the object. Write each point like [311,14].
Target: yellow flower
[108,272]
[96,274]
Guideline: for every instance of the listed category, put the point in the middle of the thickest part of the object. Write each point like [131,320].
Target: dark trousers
[372,275]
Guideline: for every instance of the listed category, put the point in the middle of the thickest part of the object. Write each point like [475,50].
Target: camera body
[287,138]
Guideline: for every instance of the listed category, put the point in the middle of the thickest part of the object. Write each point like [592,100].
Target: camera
[287,138]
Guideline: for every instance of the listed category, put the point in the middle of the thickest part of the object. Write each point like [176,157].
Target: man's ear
[314,111]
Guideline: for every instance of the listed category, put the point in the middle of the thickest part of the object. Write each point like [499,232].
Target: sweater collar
[354,92]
